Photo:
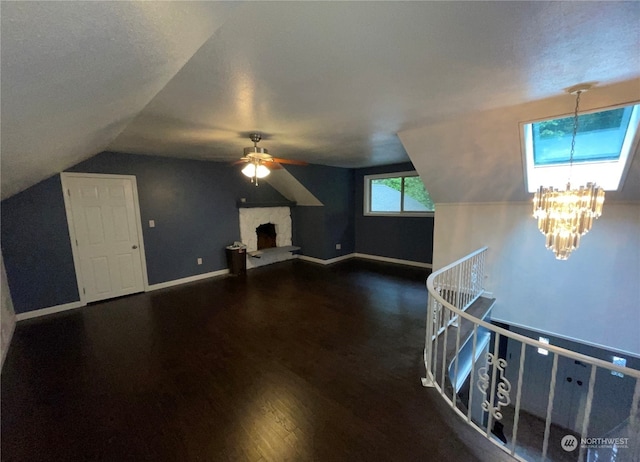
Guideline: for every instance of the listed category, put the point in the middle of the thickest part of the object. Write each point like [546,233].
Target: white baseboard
[326,262]
[394,260]
[50,310]
[177,282]
[198,277]
[78,304]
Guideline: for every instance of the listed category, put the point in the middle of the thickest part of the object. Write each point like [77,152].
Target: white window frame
[610,174]
[367,196]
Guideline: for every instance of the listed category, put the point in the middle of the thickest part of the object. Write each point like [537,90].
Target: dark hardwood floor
[294,362]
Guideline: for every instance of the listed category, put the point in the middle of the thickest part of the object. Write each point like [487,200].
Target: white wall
[7,315]
[594,297]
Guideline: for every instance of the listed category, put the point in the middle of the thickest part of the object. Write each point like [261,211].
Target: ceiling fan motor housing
[256,152]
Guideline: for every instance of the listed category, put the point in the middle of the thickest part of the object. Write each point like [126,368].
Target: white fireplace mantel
[251,218]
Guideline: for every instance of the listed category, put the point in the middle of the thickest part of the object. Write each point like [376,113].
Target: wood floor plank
[293,362]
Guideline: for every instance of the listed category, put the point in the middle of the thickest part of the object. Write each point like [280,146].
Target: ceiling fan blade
[241,161]
[273,165]
[289,161]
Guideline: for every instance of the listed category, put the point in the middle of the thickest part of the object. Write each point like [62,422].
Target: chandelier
[566,215]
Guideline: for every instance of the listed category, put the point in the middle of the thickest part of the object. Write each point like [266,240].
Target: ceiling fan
[260,162]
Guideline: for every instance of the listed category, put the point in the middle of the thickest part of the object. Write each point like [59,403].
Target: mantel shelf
[248,205]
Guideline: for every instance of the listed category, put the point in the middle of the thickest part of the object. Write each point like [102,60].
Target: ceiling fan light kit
[260,162]
[255,157]
[259,171]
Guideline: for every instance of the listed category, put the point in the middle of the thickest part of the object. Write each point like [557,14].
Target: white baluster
[455,368]
[493,385]
[634,424]
[444,357]
[428,342]
[473,371]
[587,410]
[516,415]
[552,389]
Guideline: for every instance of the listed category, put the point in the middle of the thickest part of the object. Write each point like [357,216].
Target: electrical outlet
[152,223]
[199,261]
[338,246]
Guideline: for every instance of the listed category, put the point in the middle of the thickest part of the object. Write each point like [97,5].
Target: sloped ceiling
[478,157]
[331,83]
[74,75]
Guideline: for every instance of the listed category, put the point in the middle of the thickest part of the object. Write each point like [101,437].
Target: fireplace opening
[266,236]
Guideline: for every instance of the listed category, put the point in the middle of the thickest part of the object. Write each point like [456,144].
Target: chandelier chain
[575,132]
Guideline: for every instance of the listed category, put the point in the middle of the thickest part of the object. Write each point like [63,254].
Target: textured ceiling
[331,83]
[484,162]
[74,74]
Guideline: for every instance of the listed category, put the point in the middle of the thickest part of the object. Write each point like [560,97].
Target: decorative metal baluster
[552,389]
[500,387]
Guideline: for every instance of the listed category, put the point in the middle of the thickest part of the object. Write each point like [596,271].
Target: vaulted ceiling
[348,84]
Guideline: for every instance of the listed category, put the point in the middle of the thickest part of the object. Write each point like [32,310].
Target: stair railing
[452,290]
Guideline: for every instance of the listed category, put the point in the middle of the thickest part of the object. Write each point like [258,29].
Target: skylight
[603,149]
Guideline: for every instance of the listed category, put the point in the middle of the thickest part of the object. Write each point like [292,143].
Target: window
[543,351]
[397,194]
[603,148]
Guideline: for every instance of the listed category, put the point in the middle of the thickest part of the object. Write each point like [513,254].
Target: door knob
[134,246]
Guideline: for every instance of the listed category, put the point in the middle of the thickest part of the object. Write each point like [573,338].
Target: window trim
[556,174]
[367,196]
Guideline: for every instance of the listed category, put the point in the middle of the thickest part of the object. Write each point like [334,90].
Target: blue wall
[37,249]
[194,206]
[319,229]
[405,238]
[192,202]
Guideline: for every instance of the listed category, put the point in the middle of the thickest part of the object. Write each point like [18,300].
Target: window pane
[385,194]
[416,197]
[600,137]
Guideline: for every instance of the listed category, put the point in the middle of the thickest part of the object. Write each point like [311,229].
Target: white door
[572,384]
[106,234]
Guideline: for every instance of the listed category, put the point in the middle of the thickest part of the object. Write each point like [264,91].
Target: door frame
[64,177]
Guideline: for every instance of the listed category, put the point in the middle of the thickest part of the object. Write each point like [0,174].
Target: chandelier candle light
[565,216]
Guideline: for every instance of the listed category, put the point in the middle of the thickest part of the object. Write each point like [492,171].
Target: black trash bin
[237,260]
